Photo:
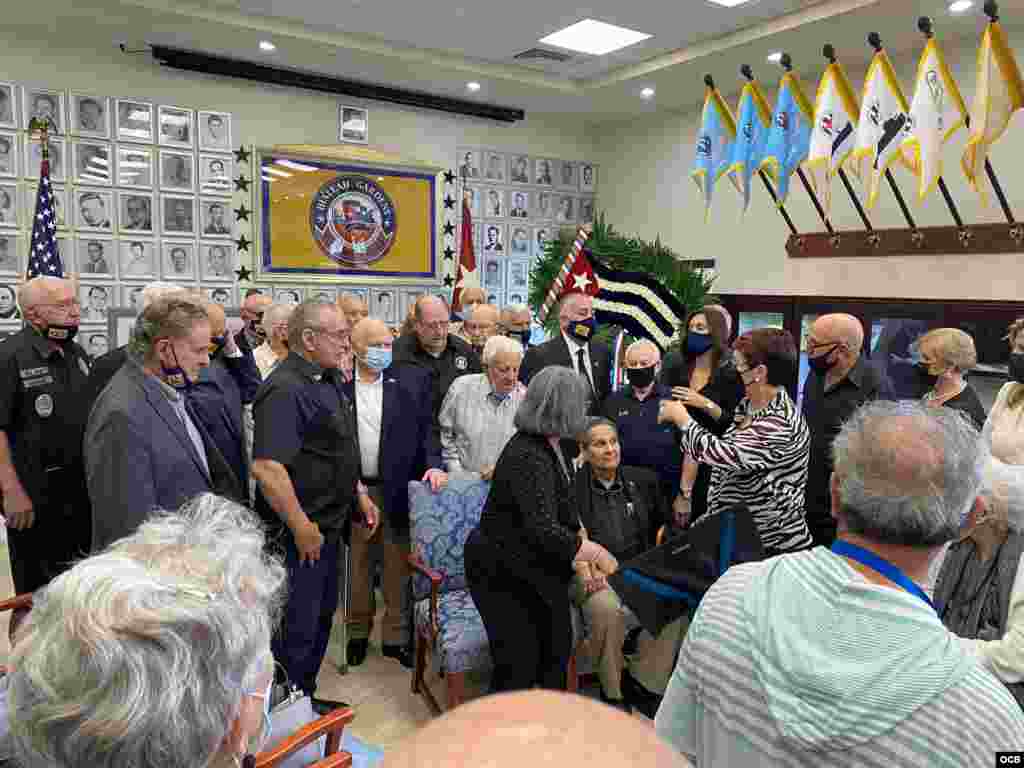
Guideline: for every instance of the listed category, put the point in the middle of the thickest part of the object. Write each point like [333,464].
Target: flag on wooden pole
[753,118]
[789,137]
[714,144]
[466,275]
[835,127]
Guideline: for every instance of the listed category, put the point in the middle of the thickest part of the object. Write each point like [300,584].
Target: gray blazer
[139,457]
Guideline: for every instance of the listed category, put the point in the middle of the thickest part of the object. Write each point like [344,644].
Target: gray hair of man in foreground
[555,403]
[907,473]
[141,655]
[500,345]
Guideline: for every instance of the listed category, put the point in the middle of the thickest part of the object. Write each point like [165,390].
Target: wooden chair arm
[417,563]
[332,724]
[16,602]
[337,760]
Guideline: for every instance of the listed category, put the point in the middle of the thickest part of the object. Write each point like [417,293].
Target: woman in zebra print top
[761,460]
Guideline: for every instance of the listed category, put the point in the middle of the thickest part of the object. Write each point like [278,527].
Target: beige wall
[646,189]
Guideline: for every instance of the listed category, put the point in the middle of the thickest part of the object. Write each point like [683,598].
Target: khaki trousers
[606,619]
[390,550]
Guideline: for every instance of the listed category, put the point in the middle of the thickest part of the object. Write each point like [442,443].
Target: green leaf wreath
[690,285]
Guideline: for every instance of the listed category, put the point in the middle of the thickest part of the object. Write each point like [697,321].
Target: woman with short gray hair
[154,653]
[519,559]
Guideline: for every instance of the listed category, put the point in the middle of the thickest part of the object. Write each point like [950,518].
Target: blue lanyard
[884,567]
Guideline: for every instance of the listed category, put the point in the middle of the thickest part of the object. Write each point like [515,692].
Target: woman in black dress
[520,559]
[946,354]
[701,375]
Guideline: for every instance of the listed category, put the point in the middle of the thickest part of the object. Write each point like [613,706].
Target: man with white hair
[42,419]
[515,323]
[478,413]
[481,323]
[836,656]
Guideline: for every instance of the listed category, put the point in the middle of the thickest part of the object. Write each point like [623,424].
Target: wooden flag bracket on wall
[932,241]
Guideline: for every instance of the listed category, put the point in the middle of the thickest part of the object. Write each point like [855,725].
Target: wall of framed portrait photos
[142,190]
[518,202]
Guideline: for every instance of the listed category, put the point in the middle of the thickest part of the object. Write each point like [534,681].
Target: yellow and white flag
[883,124]
[835,127]
[936,112]
[998,93]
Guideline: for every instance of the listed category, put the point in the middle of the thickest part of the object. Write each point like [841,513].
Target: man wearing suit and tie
[574,348]
[396,445]
[144,447]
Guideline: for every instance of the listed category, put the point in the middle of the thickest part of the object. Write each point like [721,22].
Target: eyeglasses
[438,325]
[65,306]
[339,337]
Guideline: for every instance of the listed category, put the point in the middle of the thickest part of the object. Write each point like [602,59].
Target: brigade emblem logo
[461,363]
[44,405]
[353,221]
[704,145]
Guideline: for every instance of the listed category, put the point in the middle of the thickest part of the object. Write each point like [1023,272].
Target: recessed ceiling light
[266,45]
[473,86]
[960,6]
[728,3]
[647,93]
[775,58]
[594,37]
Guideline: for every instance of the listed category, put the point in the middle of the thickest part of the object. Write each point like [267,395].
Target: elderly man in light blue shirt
[477,416]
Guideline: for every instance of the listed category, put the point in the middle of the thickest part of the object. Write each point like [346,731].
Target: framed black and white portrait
[90,116]
[8,106]
[135,167]
[518,275]
[175,126]
[362,292]
[221,294]
[95,341]
[543,172]
[94,210]
[10,254]
[496,297]
[8,302]
[469,164]
[519,240]
[494,203]
[567,176]
[216,174]
[9,206]
[588,177]
[178,260]
[585,209]
[95,257]
[288,294]
[353,125]
[519,169]
[541,235]
[217,262]
[213,218]
[493,277]
[543,206]
[494,167]
[494,238]
[178,215]
[384,305]
[45,105]
[135,213]
[34,158]
[323,295]
[177,171]
[519,205]
[92,162]
[9,144]
[131,297]
[565,209]
[134,121]
[97,300]
[215,131]
[138,259]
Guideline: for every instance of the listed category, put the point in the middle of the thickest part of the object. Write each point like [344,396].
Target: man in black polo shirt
[430,346]
[839,383]
[306,464]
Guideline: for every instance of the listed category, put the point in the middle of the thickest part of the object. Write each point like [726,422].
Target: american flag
[44,257]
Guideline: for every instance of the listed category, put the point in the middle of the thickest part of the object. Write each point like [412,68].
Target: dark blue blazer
[217,398]
[408,445]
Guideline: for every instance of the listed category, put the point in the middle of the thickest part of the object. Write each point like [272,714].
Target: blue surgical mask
[697,343]
[377,358]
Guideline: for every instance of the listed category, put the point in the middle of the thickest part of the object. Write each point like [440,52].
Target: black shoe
[357,652]
[638,697]
[326,706]
[400,652]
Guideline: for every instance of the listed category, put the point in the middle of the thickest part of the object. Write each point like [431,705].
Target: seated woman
[478,414]
[519,559]
[621,508]
[946,354]
[154,653]
[761,460]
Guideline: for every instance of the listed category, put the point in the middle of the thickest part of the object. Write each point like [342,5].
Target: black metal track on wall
[194,61]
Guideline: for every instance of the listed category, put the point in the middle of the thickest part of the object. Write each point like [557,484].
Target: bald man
[840,381]
[480,324]
[540,729]
[470,298]
[43,412]
[227,384]
[252,334]
[396,446]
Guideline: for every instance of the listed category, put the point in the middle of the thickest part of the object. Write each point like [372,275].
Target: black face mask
[1017,367]
[62,333]
[925,379]
[640,378]
[820,364]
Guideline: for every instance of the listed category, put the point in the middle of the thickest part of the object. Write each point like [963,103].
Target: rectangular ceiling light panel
[594,37]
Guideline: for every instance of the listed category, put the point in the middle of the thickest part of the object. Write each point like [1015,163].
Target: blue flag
[789,138]
[714,145]
[752,120]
